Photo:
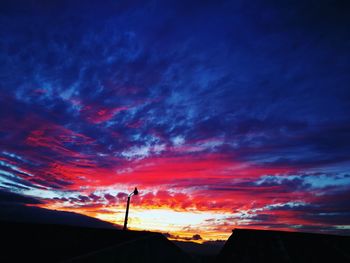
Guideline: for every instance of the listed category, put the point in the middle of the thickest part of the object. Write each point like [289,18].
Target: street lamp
[135,192]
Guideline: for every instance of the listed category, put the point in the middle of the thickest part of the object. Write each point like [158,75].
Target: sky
[224,114]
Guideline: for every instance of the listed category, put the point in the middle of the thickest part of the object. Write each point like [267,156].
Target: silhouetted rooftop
[23,242]
[245,245]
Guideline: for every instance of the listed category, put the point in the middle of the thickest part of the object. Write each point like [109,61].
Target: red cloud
[96,115]
[191,170]
[54,137]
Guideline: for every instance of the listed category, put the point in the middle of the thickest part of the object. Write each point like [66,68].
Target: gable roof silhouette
[248,245]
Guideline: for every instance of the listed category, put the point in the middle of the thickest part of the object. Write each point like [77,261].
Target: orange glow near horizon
[157,219]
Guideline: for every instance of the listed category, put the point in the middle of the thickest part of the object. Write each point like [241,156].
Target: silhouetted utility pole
[135,192]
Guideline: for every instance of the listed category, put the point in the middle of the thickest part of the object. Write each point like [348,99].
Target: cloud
[195,237]
[110,198]
[214,106]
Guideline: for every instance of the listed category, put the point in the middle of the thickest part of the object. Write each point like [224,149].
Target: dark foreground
[29,242]
[23,242]
[248,246]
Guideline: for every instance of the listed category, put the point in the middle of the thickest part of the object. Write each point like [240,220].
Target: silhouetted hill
[247,245]
[19,208]
[30,214]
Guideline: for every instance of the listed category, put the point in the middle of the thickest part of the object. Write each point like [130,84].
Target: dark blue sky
[214,100]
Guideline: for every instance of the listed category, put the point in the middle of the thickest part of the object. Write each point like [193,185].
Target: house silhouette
[247,245]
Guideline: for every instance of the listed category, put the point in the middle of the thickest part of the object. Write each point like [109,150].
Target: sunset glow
[220,116]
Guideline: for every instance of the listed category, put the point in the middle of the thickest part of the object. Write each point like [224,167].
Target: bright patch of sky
[178,140]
